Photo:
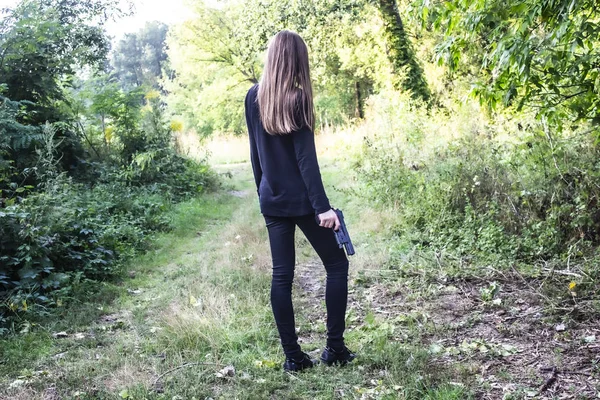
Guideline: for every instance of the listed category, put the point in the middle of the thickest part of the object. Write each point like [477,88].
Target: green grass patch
[196,302]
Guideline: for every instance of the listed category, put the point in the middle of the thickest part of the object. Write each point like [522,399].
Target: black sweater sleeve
[306,155]
[254,159]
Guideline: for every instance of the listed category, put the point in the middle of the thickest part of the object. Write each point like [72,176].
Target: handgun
[341,235]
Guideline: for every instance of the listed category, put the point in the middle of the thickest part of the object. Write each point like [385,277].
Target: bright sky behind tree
[169,12]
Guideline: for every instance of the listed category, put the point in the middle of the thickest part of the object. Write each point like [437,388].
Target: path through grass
[198,303]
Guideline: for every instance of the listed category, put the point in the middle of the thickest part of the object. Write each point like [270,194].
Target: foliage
[401,52]
[347,50]
[155,161]
[140,59]
[44,43]
[16,140]
[67,216]
[479,195]
[535,53]
[72,232]
[69,231]
[53,239]
[51,38]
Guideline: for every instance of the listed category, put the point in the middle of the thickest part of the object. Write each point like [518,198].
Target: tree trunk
[409,73]
[358,110]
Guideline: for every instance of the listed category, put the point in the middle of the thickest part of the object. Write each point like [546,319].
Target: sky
[167,11]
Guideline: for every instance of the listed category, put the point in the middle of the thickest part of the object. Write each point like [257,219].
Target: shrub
[478,192]
[77,226]
[73,232]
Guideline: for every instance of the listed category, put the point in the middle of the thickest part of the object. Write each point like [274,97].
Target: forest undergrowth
[192,319]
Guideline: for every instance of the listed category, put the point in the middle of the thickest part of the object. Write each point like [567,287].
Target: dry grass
[229,149]
[24,393]
[131,373]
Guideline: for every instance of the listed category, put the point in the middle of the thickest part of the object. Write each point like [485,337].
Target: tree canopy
[541,54]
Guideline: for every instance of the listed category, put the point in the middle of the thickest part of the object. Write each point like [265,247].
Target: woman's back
[285,167]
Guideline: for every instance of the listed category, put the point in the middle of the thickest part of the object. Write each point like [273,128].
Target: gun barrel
[342,236]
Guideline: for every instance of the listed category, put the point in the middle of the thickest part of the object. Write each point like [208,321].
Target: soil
[516,343]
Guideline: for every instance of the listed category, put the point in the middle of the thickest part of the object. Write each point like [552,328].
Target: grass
[199,302]
[201,297]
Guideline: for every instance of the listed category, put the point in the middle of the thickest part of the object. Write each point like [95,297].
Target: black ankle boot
[298,364]
[341,357]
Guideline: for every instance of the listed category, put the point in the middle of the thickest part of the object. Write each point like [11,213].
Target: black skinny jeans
[281,237]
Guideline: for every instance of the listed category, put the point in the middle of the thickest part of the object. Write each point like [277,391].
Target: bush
[72,232]
[478,192]
[165,171]
[60,228]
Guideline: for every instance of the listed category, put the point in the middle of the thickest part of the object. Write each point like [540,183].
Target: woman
[280,118]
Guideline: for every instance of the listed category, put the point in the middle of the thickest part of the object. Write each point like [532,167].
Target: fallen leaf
[194,302]
[508,349]
[590,339]
[16,383]
[435,348]
[265,363]
[227,372]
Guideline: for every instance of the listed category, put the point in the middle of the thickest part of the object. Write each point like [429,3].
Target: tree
[140,58]
[43,42]
[219,34]
[541,54]
[401,53]
[218,55]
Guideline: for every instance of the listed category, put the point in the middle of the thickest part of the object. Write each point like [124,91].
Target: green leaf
[28,273]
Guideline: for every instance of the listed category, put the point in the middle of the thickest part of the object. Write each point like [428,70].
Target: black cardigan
[285,168]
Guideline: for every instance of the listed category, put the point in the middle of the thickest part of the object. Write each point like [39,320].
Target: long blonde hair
[285,96]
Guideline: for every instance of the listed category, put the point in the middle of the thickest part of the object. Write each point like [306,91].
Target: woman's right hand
[329,219]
